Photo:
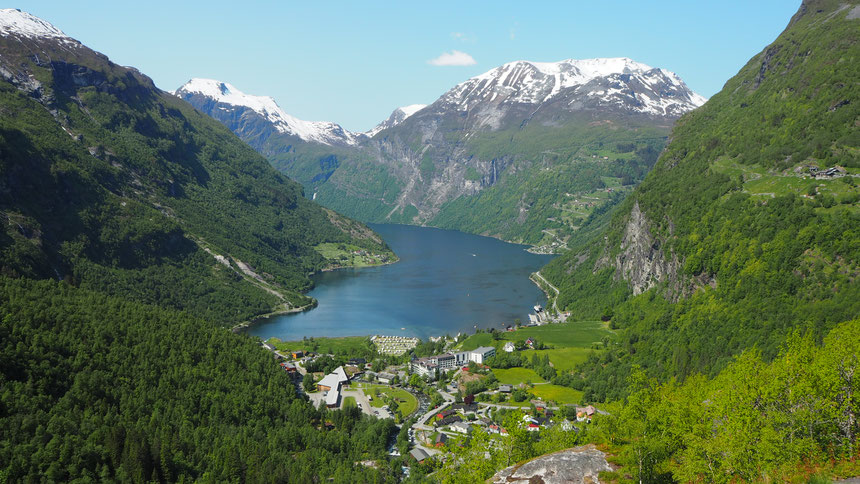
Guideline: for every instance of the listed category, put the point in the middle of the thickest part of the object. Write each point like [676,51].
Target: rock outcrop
[576,465]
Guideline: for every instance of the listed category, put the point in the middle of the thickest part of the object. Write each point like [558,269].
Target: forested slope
[115,185]
[98,388]
[730,242]
[132,230]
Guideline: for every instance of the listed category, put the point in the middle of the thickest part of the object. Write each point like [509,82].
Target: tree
[308,382]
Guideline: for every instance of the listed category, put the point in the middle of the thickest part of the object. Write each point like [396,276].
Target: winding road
[554,304]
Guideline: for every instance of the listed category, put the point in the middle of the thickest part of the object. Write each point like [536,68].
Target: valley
[577,267]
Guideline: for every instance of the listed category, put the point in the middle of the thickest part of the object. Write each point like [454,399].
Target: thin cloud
[453,58]
[463,37]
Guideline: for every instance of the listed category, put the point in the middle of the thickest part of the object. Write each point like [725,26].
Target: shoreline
[244,325]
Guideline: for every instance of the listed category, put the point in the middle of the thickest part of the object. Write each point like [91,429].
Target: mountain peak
[15,22]
[397,116]
[225,93]
[618,83]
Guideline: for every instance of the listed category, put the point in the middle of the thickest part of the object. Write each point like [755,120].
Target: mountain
[114,185]
[747,228]
[132,230]
[397,116]
[526,152]
[259,116]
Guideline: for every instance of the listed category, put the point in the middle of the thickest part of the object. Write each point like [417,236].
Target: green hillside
[111,184]
[737,245]
[132,230]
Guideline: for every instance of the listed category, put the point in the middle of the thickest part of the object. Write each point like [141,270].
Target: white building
[461,427]
[480,355]
[510,347]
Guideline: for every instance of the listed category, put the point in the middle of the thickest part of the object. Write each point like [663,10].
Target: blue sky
[354,62]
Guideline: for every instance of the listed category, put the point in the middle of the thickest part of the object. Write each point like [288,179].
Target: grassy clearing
[557,393]
[349,402]
[407,401]
[580,334]
[347,255]
[476,340]
[340,346]
[515,376]
[562,359]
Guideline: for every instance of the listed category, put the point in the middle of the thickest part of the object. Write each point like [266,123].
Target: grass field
[580,334]
[761,182]
[340,346]
[515,376]
[345,255]
[407,401]
[562,359]
[349,402]
[557,393]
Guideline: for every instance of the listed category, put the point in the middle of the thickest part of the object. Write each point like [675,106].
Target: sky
[354,62]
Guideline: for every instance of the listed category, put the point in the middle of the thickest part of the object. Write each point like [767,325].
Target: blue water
[445,282]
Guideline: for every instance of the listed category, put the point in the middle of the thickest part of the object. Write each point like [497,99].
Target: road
[420,424]
[554,304]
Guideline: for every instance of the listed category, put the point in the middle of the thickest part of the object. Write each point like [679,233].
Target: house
[530,343]
[448,420]
[297,354]
[357,361]
[461,427]
[510,347]
[418,454]
[466,408]
[505,389]
[444,414]
[480,355]
[533,427]
[384,377]
[288,367]
[441,439]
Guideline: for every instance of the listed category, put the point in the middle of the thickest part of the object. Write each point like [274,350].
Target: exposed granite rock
[576,465]
[642,261]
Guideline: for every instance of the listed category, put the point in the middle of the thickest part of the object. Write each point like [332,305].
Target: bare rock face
[576,465]
[642,260]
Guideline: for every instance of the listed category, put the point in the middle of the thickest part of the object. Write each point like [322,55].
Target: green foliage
[127,204]
[751,268]
[753,421]
[101,388]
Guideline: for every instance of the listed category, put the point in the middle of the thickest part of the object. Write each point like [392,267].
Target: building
[297,354]
[333,380]
[480,355]
[441,439]
[383,377]
[505,389]
[510,347]
[332,398]
[418,454]
[461,427]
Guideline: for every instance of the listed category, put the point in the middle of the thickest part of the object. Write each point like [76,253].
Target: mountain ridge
[448,163]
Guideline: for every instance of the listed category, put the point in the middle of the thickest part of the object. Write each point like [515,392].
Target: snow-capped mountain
[225,102]
[397,116]
[15,22]
[618,85]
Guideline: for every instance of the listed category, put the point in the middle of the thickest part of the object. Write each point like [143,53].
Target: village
[440,392]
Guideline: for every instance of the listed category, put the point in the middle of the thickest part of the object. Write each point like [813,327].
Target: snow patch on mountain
[398,116]
[15,22]
[620,81]
[317,131]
